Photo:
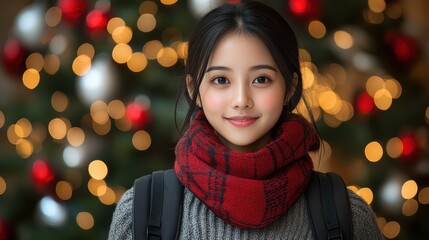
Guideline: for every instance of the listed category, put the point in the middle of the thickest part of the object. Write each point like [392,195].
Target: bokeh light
[167,57]
[137,62]
[146,22]
[391,229]
[373,17]
[373,84]
[410,207]
[151,49]
[97,169]
[383,99]
[85,220]
[64,190]
[343,39]
[122,34]
[35,61]
[424,195]
[148,7]
[394,10]
[377,6]
[75,136]
[121,53]
[109,197]
[3,186]
[31,78]
[52,213]
[53,16]
[24,148]
[317,29]
[98,111]
[59,101]
[394,147]
[366,194]
[168,2]
[115,23]
[57,128]
[58,44]
[81,65]
[2,119]
[373,151]
[52,64]
[97,187]
[86,49]
[23,128]
[116,109]
[141,140]
[409,189]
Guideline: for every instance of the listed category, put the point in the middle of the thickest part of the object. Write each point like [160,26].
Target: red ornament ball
[6,231]
[364,103]
[96,22]
[42,173]
[404,48]
[14,55]
[410,147]
[72,10]
[138,114]
[305,9]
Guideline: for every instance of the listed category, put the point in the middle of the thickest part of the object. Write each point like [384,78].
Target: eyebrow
[253,68]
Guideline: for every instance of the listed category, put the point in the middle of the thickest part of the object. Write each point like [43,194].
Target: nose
[242,97]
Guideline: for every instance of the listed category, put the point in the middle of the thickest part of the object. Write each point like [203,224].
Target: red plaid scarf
[247,189]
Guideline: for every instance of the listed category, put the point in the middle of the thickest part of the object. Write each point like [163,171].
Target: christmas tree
[89,89]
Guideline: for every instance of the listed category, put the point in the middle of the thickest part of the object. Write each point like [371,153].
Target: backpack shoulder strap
[328,206]
[173,203]
[155,194]
[141,201]
[342,204]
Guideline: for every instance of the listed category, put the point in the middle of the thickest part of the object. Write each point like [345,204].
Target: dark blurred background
[88,92]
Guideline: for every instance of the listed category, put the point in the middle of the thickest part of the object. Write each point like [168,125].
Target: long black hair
[246,17]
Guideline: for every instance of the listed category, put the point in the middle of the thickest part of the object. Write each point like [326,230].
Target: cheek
[273,100]
[213,101]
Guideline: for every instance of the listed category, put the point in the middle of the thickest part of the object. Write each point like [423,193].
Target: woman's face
[242,93]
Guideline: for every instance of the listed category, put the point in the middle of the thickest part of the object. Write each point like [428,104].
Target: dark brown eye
[261,80]
[220,80]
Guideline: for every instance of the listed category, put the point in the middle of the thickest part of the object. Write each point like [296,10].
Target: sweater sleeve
[122,220]
[364,221]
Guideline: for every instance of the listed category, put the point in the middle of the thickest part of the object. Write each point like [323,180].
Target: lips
[241,121]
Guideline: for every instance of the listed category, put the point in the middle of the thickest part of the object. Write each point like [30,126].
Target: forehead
[240,49]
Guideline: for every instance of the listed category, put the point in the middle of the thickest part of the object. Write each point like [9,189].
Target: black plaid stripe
[276,194]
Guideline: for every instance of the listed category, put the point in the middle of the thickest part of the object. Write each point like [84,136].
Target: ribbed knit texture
[199,222]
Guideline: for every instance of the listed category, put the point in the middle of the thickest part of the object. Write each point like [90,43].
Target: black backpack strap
[141,205]
[173,203]
[342,204]
[155,194]
[328,207]
[156,203]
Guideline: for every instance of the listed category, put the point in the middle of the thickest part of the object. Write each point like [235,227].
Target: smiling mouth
[242,121]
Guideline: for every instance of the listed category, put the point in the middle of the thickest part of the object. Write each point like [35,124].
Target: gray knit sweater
[199,222]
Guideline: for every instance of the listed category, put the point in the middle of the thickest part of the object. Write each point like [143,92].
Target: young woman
[243,159]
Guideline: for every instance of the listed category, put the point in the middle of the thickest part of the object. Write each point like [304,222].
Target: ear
[191,89]
[292,91]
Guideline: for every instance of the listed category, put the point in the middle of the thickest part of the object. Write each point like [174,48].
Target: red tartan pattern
[247,189]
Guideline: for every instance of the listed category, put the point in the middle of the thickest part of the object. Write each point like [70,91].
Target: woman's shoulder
[363,218]
[360,208]
[121,226]
[125,203]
